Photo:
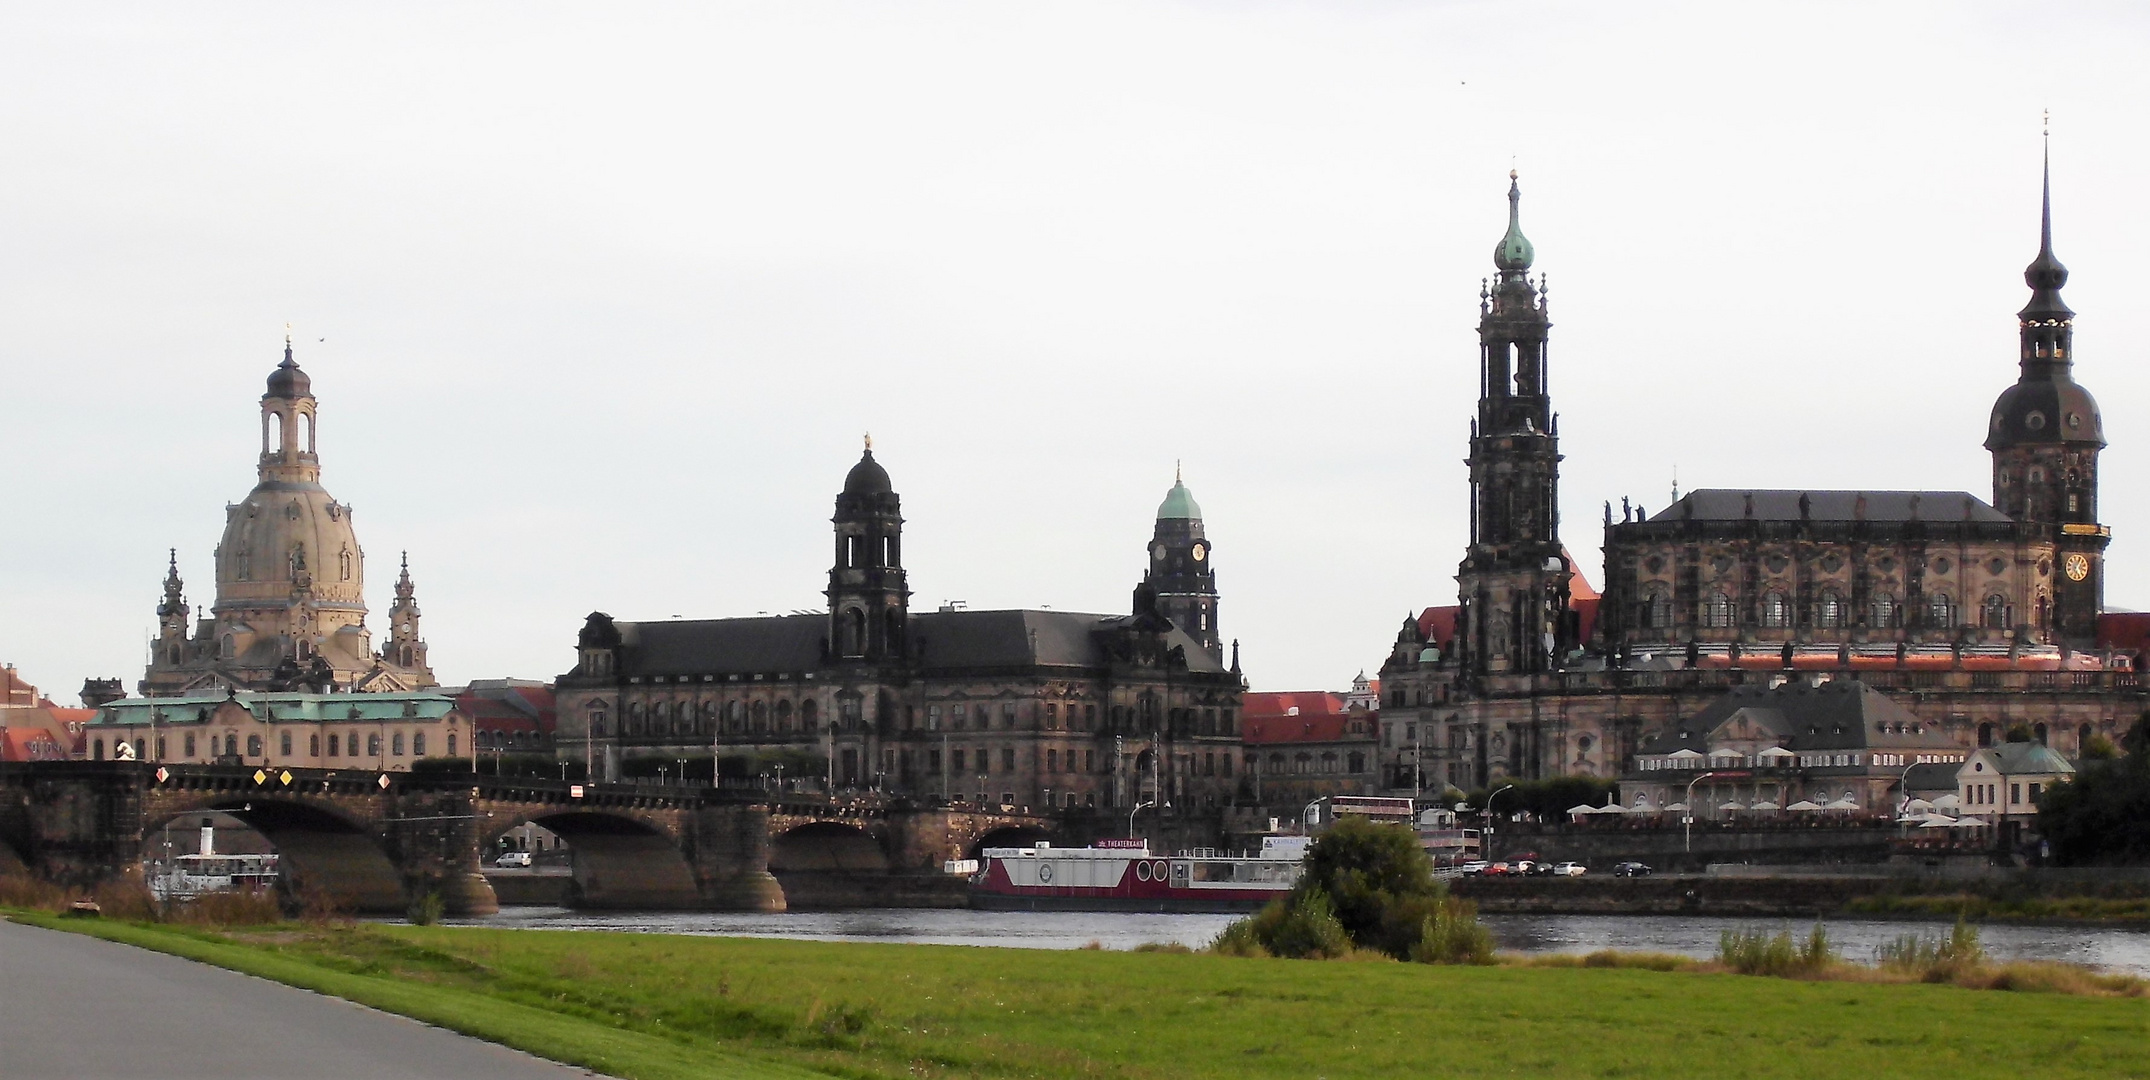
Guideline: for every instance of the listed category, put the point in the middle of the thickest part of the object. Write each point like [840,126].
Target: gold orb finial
[869,442]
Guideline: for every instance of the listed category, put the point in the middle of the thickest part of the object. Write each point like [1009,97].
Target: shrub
[1368,889]
[426,909]
[1453,935]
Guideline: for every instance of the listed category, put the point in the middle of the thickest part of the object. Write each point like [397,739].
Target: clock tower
[2045,436]
[1181,569]
[1513,584]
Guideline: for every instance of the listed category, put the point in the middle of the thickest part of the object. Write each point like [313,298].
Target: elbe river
[2117,950]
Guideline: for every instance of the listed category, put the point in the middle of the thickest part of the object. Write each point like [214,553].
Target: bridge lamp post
[779,767]
[1687,820]
[682,770]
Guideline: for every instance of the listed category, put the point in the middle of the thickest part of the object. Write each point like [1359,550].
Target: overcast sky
[610,293]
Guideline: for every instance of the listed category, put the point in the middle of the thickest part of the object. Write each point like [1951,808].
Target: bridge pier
[436,836]
[728,847]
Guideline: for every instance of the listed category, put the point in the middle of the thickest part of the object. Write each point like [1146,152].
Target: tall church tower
[869,595]
[1181,571]
[406,645]
[2045,436]
[1513,583]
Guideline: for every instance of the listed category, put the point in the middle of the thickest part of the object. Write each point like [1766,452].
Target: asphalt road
[76,1007]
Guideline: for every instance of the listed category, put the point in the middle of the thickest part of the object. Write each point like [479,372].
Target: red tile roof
[2128,631]
[1267,718]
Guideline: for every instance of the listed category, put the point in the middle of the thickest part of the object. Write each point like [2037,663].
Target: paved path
[76,1007]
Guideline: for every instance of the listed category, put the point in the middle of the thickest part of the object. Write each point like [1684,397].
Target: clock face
[1200,552]
[1158,552]
[2078,567]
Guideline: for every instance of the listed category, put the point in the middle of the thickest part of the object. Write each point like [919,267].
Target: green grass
[649,1006]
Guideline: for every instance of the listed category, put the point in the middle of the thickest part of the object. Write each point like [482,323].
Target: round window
[2035,421]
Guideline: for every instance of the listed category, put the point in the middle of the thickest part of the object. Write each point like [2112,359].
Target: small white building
[2002,783]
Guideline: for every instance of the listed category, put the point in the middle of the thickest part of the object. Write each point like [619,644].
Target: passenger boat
[1123,875]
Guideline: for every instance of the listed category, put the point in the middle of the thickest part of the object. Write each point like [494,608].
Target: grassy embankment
[649,1007]
[2100,910]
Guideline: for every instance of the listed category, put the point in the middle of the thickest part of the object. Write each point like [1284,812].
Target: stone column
[436,836]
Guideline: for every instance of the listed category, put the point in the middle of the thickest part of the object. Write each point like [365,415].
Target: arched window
[1657,611]
[761,717]
[1358,762]
[1829,611]
[231,744]
[809,716]
[395,745]
[373,745]
[343,560]
[1881,611]
[253,746]
[854,643]
[783,717]
[1776,611]
[306,432]
[735,715]
[1717,614]
[1940,610]
[1993,615]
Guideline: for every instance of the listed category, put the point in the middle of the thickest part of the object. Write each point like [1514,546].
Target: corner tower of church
[1513,584]
[869,593]
[2045,435]
[1181,571]
[290,609]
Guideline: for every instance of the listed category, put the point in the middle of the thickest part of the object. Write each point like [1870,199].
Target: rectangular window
[418,744]
[1052,761]
[283,744]
[1052,717]
[933,761]
[933,718]
[2015,794]
[1007,759]
[959,719]
[955,759]
[1227,764]
[1007,714]
[1089,761]
[2034,792]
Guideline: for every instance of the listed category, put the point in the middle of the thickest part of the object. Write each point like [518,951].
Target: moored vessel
[1123,875]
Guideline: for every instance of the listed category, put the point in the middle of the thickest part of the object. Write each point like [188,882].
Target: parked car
[1475,866]
[1631,869]
[1541,868]
[1569,869]
[513,858]
[1499,869]
[1520,866]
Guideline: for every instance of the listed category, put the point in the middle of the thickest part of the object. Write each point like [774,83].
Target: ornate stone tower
[1182,572]
[1513,583]
[2045,436]
[869,596]
[406,646]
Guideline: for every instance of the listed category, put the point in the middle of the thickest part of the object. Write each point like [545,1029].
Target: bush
[2102,817]
[1453,935]
[1368,891]
[426,910]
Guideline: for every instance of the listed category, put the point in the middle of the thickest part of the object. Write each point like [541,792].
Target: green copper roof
[1179,503]
[1514,251]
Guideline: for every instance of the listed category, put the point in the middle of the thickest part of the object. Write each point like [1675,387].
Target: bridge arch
[322,854]
[1008,836]
[618,862]
[828,846]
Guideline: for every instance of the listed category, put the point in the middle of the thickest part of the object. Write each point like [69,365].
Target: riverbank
[2027,897]
[648,1006]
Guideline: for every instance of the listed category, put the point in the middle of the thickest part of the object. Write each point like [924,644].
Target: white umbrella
[1775,752]
[1731,806]
[1842,804]
[1765,804]
[1676,808]
[1580,809]
[1968,822]
[1642,806]
[1804,805]
[1948,802]
[1684,755]
[1918,804]
[1936,822]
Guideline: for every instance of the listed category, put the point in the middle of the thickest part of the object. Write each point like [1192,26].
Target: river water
[2117,950]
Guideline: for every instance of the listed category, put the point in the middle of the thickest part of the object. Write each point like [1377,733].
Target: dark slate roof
[949,640]
[1726,504]
[2017,758]
[752,646]
[1932,776]
[1842,714]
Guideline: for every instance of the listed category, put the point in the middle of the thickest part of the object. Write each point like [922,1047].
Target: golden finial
[1176,471]
[869,442]
[287,334]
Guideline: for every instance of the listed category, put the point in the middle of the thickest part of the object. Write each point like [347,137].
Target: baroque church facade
[1976,616]
[290,608]
[1027,707]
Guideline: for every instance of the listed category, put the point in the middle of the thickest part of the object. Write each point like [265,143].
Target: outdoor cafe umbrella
[1676,808]
[1948,802]
[1804,805]
[1765,804]
[1773,753]
[1580,809]
[1734,805]
[1685,755]
[1937,821]
[1842,804]
[1917,805]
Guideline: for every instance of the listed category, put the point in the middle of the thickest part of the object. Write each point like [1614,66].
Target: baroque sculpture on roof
[1976,616]
[290,609]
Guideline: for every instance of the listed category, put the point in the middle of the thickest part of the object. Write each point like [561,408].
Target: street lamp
[1139,807]
[1688,819]
[1487,846]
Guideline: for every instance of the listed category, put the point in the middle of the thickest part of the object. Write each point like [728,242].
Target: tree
[1368,887]
[2102,817]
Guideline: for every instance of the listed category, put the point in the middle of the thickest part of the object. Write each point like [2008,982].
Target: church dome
[282,535]
[287,381]
[2045,412]
[867,477]
[1514,252]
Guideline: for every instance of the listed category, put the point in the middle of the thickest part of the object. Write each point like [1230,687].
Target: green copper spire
[1514,253]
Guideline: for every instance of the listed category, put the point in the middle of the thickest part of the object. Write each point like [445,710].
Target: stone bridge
[373,842]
